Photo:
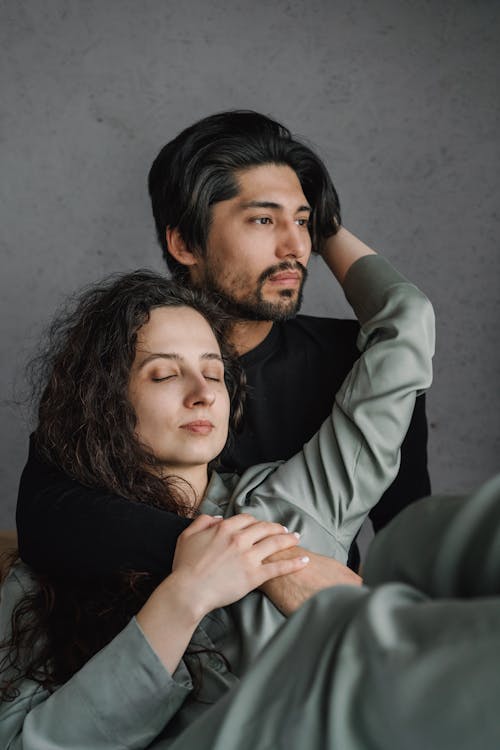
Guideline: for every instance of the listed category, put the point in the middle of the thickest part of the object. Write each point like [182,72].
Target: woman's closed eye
[214,377]
[214,371]
[161,378]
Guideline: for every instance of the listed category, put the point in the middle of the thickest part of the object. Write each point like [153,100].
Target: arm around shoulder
[60,521]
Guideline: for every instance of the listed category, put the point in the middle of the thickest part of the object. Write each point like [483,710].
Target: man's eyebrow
[272,204]
[176,357]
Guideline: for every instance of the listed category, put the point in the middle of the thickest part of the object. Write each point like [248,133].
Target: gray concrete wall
[400,98]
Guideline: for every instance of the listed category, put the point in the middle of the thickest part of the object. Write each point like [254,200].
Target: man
[239,205]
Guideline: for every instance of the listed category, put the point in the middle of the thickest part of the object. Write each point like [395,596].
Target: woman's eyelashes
[161,378]
[212,377]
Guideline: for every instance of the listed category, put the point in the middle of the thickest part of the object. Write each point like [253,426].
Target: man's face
[259,245]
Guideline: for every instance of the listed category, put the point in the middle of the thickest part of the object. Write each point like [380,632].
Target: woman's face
[177,390]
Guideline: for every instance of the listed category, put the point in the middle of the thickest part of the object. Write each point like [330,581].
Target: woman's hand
[216,563]
[220,561]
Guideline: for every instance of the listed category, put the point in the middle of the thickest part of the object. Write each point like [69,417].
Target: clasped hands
[230,557]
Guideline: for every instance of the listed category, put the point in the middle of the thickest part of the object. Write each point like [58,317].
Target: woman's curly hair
[86,424]
[86,427]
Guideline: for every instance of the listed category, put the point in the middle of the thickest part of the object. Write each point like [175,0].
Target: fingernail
[305,559]
[296,534]
[285,529]
[217,516]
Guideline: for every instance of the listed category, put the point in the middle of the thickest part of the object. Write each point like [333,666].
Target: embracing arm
[62,523]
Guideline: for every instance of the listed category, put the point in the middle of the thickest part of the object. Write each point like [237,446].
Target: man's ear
[178,248]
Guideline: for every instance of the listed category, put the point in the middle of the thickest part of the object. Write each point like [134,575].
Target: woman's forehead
[177,329]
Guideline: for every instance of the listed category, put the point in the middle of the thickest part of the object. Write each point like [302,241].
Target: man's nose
[293,241]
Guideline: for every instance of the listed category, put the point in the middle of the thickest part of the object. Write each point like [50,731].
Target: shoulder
[305,334]
[312,327]
[320,341]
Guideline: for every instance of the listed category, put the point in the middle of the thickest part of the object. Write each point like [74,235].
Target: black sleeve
[412,481]
[84,532]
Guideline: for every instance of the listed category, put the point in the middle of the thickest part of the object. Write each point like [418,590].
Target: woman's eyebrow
[211,355]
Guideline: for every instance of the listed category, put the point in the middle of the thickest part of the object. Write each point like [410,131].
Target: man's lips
[285,278]
[198,427]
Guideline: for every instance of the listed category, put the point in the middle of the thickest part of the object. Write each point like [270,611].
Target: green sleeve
[327,489]
[122,697]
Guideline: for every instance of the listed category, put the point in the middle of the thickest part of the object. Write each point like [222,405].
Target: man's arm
[86,531]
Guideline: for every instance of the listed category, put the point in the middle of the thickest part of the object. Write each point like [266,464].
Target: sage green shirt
[124,697]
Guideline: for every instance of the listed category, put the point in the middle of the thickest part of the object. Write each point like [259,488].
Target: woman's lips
[198,427]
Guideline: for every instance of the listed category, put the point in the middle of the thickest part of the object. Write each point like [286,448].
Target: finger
[281,568]
[239,522]
[272,544]
[201,523]
[260,530]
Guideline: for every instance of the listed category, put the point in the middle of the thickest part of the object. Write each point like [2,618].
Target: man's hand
[289,592]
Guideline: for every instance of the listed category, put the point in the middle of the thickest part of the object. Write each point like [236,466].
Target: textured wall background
[400,98]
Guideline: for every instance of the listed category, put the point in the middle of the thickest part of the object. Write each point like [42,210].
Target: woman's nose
[200,392]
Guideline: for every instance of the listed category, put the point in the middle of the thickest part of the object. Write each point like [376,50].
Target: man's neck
[245,335]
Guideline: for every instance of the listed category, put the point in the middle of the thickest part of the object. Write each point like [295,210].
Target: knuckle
[238,542]
[221,530]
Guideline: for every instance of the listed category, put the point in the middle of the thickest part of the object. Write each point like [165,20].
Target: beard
[253,306]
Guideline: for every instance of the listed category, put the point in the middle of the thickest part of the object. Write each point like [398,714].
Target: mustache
[285,265]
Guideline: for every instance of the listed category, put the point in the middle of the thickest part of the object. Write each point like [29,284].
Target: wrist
[183,592]
[169,618]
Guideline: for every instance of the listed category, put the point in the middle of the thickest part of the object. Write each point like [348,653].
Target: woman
[168,386]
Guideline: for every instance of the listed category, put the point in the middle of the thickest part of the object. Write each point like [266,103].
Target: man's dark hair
[198,169]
